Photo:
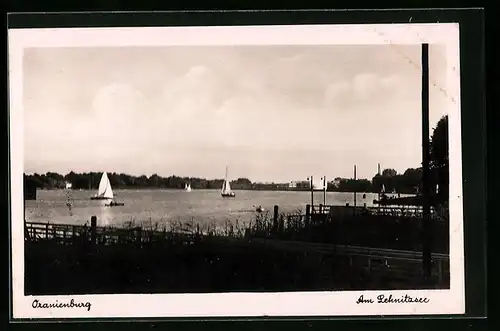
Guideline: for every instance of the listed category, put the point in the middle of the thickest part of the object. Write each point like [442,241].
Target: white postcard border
[339,303]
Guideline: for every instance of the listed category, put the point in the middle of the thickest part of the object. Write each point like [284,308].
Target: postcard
[236,171]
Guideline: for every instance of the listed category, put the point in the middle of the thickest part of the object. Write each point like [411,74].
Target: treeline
[404,183]
[90,180]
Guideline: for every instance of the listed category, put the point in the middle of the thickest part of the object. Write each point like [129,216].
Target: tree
[389,173]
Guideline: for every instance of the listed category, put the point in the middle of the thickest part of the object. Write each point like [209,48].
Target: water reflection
[105,216]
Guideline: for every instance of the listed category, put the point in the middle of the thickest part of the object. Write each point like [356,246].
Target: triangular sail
[105,190]
[226,188]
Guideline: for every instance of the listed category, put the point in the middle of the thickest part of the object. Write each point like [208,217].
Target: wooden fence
[93,234]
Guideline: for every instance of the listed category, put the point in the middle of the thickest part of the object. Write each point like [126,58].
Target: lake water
[174,205]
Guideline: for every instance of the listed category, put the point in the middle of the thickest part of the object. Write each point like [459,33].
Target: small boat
[259,209]
[187,188]
[113,204]
[226,189]
[69,185]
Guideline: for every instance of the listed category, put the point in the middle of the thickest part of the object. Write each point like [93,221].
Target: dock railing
[400,211]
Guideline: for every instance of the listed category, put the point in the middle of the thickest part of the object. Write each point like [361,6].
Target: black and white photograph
[307,170]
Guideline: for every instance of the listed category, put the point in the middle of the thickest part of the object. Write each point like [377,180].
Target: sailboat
[187,188]
[105,192]
[69,185]
[226,189]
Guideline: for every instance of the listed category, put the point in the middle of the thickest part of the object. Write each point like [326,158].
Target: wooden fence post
[275,219]
[47,231]
[281,226]
[440,271]
[93,230]
[27,235]
[308,215]
[138,237]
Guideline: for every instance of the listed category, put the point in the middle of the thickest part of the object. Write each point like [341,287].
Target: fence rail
[68,234]
[402,263]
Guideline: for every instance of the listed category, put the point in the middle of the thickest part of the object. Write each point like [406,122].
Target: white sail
[226,187]
[68,185]
[187,187]
[105,190]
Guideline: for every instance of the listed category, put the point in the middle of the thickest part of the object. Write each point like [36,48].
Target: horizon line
[208,178]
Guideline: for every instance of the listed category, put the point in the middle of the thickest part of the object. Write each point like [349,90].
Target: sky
[269,113]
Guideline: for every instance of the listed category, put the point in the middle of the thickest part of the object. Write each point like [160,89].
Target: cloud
[362,88]
[118,109]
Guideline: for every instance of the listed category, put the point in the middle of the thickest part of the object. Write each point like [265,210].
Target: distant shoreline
[217,190]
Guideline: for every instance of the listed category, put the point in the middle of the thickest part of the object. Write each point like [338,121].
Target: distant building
[292,185]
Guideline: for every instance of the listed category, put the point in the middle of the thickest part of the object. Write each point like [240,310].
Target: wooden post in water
[426,226]
[93,230]
[47,231]
[275,219]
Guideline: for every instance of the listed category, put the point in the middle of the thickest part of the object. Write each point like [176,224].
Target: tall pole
[378,172]
[312,192]
[426,228]
[355,193]
[324,190]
